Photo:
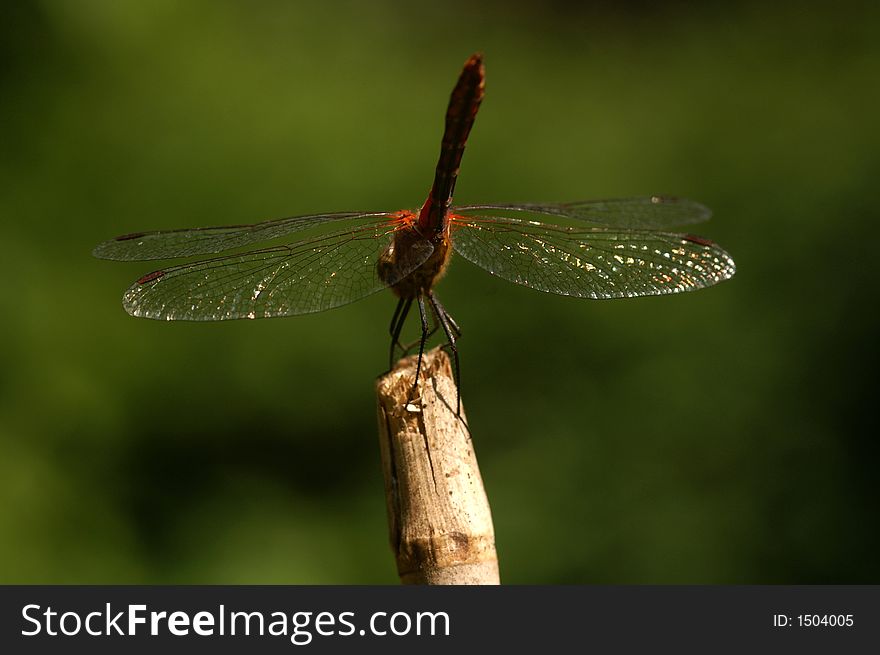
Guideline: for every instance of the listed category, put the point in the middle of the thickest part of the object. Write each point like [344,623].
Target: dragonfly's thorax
[397,260]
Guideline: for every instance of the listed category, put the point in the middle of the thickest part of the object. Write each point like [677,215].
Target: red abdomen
[460,115]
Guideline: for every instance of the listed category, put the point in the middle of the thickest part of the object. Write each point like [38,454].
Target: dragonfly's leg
[393,326]
[413,344]
[397,322]
[424,316]
[451,320]
[452,331]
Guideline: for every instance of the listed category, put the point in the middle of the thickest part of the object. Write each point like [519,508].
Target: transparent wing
[590,262]
[649,212]
[303,277]
[170,244]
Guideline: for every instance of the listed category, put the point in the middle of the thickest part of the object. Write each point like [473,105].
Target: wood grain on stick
[439,518]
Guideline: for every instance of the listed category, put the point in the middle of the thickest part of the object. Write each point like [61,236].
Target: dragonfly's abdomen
[460,116]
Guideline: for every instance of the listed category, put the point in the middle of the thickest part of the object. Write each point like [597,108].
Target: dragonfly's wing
[590,262]
[299,278]
[649,212]
[169,244]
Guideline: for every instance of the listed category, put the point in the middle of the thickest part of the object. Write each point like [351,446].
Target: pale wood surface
[440,523]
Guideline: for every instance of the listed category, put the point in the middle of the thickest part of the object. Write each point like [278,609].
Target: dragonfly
[618,248]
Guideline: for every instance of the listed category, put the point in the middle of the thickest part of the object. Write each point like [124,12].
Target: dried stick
[440,523]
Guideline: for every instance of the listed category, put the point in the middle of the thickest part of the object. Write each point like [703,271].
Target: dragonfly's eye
[387,258]
[385,263]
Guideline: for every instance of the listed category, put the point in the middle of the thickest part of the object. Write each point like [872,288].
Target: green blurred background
[724,436]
